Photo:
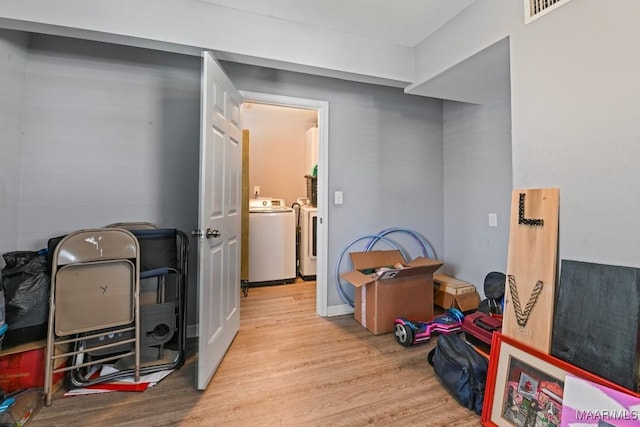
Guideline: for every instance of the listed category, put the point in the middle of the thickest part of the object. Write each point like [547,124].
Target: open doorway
[293,165]
[280,150]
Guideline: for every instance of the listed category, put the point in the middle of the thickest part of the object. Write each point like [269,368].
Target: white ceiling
[402,22]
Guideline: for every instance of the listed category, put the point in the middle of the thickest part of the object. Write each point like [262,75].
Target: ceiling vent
[534,9]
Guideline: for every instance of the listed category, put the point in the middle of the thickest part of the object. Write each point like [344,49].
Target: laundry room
[282,178]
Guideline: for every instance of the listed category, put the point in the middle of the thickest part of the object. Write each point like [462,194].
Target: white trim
[339,310]
[322,107]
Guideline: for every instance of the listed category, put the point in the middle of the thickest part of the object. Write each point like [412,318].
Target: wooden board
[244,239]
[533,247]
[597,321]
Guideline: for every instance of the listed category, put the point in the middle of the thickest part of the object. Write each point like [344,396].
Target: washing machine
[308,242]
[272,242]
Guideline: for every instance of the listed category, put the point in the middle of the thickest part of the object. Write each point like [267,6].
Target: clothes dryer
[308,241]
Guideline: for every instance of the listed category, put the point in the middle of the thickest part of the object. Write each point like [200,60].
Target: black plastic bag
[27,284]
[3,325]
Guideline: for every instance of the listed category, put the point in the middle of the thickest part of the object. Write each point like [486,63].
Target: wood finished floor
[286,367]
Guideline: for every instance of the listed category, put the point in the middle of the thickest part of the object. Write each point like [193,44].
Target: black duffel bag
[461,369]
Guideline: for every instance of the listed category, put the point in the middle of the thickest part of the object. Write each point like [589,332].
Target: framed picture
[525,387]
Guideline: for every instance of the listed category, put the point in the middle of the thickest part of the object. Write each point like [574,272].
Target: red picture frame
[521,379]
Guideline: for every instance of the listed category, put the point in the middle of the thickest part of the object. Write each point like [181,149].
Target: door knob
[212,233]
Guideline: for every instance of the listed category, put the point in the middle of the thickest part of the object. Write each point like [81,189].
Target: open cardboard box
[397,292]
[453,293]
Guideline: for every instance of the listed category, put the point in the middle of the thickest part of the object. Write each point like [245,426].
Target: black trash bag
[3,325]
[27,284]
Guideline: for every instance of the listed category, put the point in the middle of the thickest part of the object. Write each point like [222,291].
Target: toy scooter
[411,332]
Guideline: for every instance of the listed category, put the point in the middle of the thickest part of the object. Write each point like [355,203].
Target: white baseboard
[339,310]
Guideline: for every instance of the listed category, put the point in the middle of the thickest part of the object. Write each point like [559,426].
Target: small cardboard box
[403,289]
[22,367]
[453,293]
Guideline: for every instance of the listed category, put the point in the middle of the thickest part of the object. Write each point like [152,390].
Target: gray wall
[13,62]
[110,134]
[573,98]
[576,124]
[385,154]
[477,181]
[574,91]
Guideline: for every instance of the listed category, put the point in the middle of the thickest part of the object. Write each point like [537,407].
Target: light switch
[493,220]
[337,199]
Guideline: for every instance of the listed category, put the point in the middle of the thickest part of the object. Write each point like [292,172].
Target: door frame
[322,107]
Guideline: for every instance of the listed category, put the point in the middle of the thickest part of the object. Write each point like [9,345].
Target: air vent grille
[534,9]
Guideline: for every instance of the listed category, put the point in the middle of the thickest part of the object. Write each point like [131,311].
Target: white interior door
[219,219]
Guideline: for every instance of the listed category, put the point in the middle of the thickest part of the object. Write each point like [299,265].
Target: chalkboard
[596,322]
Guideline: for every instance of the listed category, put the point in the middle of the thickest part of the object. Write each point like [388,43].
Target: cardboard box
[451,285]
[453,293]
[403,289]
[22,367]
